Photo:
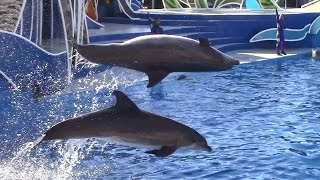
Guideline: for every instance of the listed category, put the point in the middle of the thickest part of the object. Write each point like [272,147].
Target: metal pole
[152,4]
[41,22]
[285,4]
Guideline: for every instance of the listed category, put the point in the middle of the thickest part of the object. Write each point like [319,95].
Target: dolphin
[158,55]
[128,124]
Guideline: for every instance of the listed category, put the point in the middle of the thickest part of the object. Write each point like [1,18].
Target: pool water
[262,120]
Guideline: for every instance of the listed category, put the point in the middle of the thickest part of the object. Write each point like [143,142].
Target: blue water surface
[261,118]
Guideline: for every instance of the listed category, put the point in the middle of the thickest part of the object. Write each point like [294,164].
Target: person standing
[156,29]
[280,34]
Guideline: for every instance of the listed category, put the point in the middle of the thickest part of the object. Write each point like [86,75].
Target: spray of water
[58,160]
[41,165]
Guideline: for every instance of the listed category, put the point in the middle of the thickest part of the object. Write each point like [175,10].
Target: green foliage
[170,3]
[267,4]
[201,3]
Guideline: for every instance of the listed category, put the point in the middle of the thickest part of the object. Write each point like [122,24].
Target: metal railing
[15,87]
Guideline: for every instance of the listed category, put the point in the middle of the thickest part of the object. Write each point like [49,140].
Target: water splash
[40,164]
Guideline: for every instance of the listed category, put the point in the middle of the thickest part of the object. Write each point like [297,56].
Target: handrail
[20,16]
[66,41]
[276,5]
[9,80]
[309,3]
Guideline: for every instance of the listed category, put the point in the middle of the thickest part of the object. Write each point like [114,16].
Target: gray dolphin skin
[126,122]
[159,55]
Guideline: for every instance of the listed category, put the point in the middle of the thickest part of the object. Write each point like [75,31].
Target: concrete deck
[110,28]
[113,28]
[249,55]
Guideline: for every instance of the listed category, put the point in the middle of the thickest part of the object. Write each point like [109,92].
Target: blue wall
[233,30]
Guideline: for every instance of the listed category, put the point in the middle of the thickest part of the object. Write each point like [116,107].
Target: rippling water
[262,119]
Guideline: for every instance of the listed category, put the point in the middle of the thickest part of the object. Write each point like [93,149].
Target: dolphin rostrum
[159,55]
[131,125]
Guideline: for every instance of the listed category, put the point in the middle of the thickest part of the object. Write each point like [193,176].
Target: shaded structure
[9,12]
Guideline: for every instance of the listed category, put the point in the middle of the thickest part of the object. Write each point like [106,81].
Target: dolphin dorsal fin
[124,102]
[204,42]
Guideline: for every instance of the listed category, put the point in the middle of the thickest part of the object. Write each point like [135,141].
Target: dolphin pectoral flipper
[163,151]
[156,76]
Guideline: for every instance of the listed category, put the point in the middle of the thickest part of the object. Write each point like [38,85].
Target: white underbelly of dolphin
[127,142]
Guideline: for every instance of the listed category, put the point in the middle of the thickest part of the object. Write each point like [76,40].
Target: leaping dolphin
[159,55]
[131,125]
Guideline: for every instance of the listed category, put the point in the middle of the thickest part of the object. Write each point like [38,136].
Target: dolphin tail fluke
[155,77]
[38,141]
[75,45]
[163,151]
